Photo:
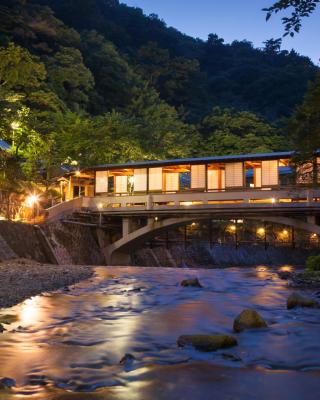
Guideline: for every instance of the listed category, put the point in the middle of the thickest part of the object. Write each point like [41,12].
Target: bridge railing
[60,210]
[240,198]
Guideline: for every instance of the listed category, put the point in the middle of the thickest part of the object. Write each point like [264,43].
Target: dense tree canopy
[88,82]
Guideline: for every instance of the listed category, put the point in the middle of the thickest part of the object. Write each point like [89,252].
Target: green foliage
[304,125]
[229,132]
[301,9]
[313,263]
[69,77]
[93,81]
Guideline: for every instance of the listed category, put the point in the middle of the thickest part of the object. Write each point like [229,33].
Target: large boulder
[296,300]
[8,319]
[194,282]
[7,383]
[207,342]
[248,319]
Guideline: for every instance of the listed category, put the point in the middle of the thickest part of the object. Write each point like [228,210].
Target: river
[68,344]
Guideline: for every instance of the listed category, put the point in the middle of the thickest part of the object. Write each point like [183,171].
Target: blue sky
[233,19]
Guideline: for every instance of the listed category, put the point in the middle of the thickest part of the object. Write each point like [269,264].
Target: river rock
[6,383]
[296,300]
[194,282]
[127,358]
[248,319]
[8,319]
[207,342]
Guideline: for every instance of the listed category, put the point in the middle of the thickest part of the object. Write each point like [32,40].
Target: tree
[69,77]
[301,9]
[228,131]
[304,125]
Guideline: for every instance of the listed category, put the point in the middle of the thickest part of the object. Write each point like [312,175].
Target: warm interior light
[233,228]
[100,205]
[314,235]
[261,231]
[78,173]
[31,200]
[285,232]
[193,224]
[273,200]
[156,219]
[187,203]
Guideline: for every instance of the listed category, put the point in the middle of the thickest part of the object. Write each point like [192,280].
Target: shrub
[313,263]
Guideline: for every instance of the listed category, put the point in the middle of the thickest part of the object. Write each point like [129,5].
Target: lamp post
[32,202]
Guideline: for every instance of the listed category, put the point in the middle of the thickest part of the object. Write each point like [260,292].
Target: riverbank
[23,278]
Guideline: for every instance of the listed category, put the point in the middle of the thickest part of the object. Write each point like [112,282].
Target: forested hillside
[95,81]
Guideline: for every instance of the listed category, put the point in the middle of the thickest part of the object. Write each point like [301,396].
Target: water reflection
[68,345]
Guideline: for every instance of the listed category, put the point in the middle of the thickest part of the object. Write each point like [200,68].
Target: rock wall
[200,254]
[55,243]
[63,243]
[74,244]
[22,240]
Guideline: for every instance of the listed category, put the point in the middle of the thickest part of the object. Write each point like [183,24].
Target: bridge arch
[118,252]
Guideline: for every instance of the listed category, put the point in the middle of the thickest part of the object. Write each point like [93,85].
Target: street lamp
[32,201]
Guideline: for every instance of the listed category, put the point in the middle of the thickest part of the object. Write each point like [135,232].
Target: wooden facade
[211,174]
[180,177]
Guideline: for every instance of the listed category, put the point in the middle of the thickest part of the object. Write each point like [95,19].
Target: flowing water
[68,344]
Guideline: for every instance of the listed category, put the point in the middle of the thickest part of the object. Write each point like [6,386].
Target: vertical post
[147,180]
[236,233]
[206,177]
[185,238]
[100,219]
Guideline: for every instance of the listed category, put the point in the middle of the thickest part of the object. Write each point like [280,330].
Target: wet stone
[8,319]
[296,300]
[127,358]
[194,282]
[207,342]
[248,319]
[231,357]
[7,383]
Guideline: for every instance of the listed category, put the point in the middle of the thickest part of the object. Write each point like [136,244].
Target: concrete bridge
[143,216]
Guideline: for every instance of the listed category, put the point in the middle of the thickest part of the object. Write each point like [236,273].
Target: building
[206,174]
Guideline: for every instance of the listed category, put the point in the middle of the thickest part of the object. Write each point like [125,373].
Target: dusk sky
[232,20]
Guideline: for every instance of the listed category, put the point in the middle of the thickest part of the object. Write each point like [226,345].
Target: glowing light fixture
[156,219]
[261,231]
[273,200]
[100,205]
[285,232]
[32,200]
[78,172]
[233,228]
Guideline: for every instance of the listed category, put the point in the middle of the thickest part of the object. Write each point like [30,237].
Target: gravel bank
[22,278]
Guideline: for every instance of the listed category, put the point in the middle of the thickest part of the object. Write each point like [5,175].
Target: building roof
[4,145]
[205,160]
